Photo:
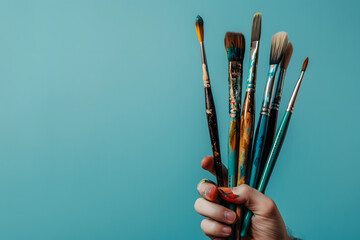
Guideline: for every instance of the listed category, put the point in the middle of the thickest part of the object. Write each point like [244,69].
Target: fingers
[215,230]
[254,200]
[208,190]
[207,163]
[214,211]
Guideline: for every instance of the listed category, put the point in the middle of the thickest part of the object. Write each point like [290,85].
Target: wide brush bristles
[287,56]
[304,66]
[234,46]
[199,25]
[279,42]
[256,27]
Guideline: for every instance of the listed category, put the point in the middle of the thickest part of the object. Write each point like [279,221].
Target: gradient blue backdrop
[103,127]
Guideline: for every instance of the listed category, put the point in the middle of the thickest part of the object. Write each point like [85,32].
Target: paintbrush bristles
[256,27]
[234,46]
[304,66]
[199,25]
[279,42]
[287,56]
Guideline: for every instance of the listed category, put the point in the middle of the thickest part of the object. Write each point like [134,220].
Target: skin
[267,225]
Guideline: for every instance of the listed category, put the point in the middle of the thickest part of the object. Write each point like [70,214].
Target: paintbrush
[275,106]
[276,146]
[278,46]
[210,106]
[248,113]
[234,46]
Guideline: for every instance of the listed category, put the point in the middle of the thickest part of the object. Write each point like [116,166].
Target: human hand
[268,223]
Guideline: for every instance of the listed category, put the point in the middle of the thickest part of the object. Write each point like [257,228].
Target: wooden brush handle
[214,135]
[247,123]
[233,143]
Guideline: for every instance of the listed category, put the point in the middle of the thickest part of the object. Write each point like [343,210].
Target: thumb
[254,200]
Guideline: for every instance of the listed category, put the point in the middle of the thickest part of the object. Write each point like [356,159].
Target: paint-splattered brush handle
[211,118]
[214,136]
[235,87]
[270,163]
[247,125]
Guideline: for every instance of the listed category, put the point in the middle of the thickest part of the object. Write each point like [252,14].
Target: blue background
[103,126]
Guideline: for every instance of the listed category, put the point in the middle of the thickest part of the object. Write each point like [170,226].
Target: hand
[268,223]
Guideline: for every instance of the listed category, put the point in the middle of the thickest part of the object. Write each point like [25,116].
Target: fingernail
[226,230]
[206,181]
[211,193]
[230,216]
[207,191]
[227,194]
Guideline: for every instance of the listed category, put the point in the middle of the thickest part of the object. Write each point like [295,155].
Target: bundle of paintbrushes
[252,152]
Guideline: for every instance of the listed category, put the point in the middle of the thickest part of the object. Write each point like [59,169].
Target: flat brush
[278,46]
[210,106]
[275,105]
[234,46]
[247,121]
[277,144]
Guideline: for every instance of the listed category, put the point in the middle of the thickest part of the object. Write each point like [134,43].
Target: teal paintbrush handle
[274,152]
[258,149]
[270,163]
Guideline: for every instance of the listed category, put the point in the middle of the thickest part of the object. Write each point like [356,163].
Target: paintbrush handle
[258,148]
[235,87]
[233,150]
[247,124]
[270,163]
[274,152]
[214,135]
[269,140]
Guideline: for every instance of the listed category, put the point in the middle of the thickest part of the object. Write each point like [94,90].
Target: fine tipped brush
[209,103]
[247,121]
[275,106]
[276,146]
[234,46]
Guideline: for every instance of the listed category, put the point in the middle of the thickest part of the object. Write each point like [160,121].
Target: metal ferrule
[202,50]
[251,81]
[295,93]
[235,69]
[269,90]
[278,90]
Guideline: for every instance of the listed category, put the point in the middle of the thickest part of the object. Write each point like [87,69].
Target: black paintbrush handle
[214,134]
[269,140]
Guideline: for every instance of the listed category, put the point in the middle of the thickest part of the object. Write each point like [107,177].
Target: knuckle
[269,206]
[246,189]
